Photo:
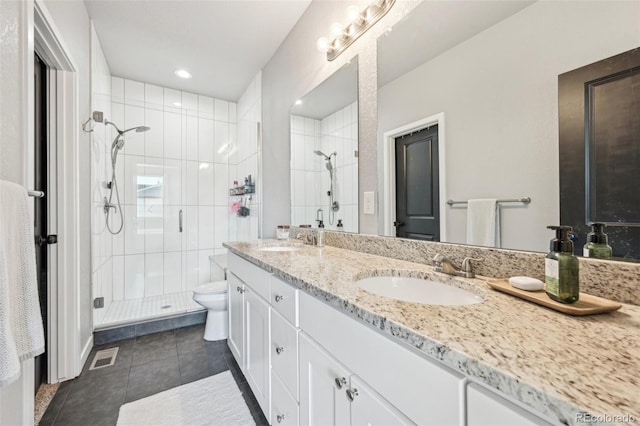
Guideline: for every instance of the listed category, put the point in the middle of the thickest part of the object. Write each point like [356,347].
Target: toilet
[213,296]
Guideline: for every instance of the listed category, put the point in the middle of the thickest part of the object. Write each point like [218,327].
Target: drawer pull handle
[280,418]
[351,394]
[279,350]
[340,381]
[241,290]
[278,298]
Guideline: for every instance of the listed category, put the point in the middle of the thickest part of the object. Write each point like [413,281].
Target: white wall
[245,160]
[101,239]
[499,93]
[182,154]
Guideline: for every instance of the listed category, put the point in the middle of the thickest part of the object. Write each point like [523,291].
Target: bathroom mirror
[483,77]
[324,153]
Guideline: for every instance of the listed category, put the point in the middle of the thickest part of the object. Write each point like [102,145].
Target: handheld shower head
[321,154]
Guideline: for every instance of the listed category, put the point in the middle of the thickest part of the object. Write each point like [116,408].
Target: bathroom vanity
[318,349]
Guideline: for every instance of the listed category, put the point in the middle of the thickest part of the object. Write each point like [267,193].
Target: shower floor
[127,311]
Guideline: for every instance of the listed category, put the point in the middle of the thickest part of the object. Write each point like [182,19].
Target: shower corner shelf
[242,190]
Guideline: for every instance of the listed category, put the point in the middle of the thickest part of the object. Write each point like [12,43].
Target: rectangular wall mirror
[324,153]
[468,109]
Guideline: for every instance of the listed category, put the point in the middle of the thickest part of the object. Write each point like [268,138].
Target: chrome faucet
[443,264]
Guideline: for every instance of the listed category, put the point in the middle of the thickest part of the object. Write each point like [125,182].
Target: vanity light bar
[367,18]
[525,200]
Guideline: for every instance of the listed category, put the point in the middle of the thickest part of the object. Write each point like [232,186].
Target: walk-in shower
[116,146]
[334,206]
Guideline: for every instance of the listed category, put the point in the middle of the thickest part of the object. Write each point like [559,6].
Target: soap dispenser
[597,243]
[561,268]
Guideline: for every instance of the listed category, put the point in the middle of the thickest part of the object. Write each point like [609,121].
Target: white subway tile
[190,228]
[205,227]
[133,92]
[117,89]
[153,274]
[134,141]
[134,276]
[191,138]
[154,137]
[172,135]
[133,168]
[233,112]
[192,269]
[221,141]
[221,226]
[133,230]
[118,277]
[221,184]
[192,169]
[205,184]
[221,110]
[206,107]
[172,234]
[190,102]
[206,146]
[172,182]
[153,96]
[204,268]
[154,226]
[172,98]
[172,272]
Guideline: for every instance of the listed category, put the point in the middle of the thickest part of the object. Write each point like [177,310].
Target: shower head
[322,154]
[138,129]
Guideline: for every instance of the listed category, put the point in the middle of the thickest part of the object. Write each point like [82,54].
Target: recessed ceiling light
[299,102]
[178,104]
[183,73]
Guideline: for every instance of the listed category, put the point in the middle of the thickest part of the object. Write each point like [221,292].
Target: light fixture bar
[367,18]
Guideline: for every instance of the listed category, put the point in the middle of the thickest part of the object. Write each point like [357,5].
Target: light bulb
[299,102]
[183,73]
[353,12]
[336,29]
[322,44]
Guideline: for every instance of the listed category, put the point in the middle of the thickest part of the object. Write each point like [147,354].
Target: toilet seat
[211,288]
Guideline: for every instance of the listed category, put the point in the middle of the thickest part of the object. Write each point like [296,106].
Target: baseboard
[85,352]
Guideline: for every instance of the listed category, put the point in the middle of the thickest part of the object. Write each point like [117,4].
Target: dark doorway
[599,113]
[417,185]
[40,204]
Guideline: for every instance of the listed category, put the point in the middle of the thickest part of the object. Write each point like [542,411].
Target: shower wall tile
[153,274]
[172,272]
[134,92]
[118,277]
[172,98]
[221,110]
[204,266]
[221,141]
[206,147]
[134,276]
[221,183]
[133,117]
[205,227]
[153,96]
[153,226]
[191,176]
[133,230]
[172,182]
[172,234]
[172,135]
[154,138]
[205,184]
[191,131]
[190,228]
[206,107]
[192,270]
[190,101]
[221,226]
[117,89]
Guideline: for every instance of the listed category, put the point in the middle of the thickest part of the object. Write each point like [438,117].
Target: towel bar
[525,200]
[37,194]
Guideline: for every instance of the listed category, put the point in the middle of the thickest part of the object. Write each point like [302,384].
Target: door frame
[66,354]
[389,171]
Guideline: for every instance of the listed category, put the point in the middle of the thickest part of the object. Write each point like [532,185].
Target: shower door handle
[180,221]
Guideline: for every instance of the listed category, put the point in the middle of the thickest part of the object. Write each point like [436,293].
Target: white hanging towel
[21,331]
[483,222]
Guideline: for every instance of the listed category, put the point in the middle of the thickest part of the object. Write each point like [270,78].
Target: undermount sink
[280,248]
[417,290]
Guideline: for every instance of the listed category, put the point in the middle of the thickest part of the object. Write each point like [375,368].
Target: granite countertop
[558,365]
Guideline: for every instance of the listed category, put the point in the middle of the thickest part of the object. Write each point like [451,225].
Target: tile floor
[144,366]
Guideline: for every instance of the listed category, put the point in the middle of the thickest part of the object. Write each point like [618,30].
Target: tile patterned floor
[144,366]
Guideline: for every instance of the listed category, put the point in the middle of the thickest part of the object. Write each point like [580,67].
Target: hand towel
[483,222]
[21,330]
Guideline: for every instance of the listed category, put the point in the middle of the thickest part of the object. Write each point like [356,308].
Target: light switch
[369,203]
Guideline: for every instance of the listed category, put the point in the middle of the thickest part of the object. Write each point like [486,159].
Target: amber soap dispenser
[561,268]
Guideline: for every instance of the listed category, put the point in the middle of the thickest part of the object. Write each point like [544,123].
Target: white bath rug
[215,400]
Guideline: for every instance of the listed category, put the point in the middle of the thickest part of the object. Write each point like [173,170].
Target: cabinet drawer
[284,352]
[284,299]
[253,276]
[284,409]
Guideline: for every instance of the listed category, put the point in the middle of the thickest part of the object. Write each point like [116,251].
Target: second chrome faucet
[443,264]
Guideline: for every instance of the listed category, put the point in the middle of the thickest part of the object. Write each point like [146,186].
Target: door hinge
[98,302]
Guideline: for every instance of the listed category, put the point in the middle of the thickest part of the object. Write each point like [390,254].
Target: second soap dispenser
[561,268]
[597,243]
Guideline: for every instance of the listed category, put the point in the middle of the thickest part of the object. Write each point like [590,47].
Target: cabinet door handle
[351,394]
[340,381]
[279,350]
[240,289]
[278,298]
[280,418]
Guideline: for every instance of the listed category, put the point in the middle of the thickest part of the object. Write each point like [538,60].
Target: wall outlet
[369,203]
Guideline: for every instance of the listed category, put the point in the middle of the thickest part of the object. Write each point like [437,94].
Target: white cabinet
[236,289]
[284,407]
[284,352]
[331,395]
[257,363]
[487,408]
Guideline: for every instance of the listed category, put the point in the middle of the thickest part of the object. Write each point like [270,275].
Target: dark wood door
[599,123]
[40,204]
[417,190]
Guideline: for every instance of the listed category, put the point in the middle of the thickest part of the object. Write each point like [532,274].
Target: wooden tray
[586,304]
